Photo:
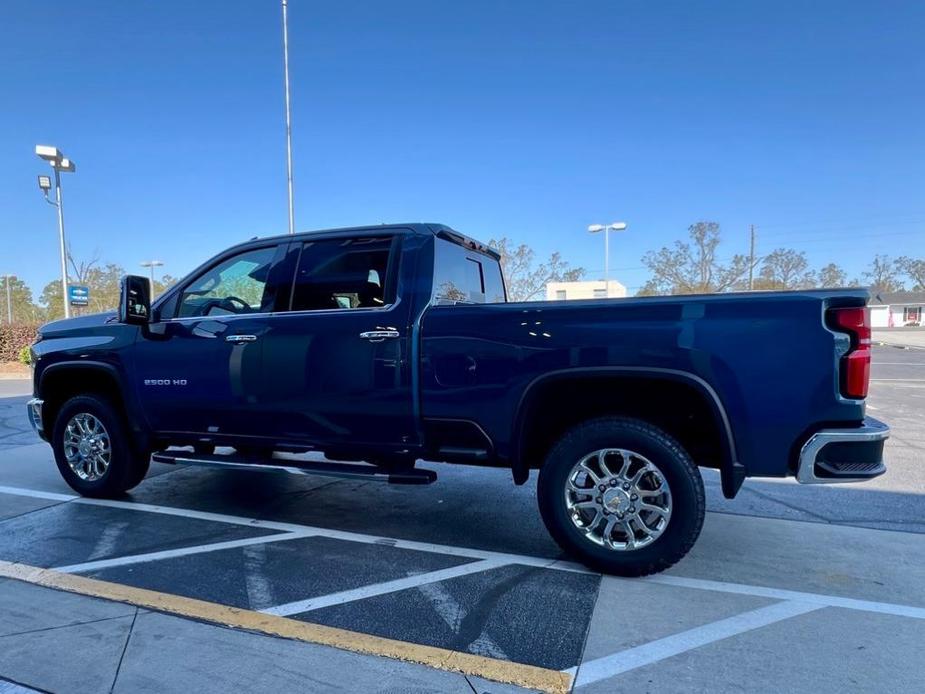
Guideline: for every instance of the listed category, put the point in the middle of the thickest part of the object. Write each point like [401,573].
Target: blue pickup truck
[382,346]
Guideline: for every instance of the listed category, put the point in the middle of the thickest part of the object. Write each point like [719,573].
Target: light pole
[607,228]
[288,114]
[59,163]
[9,299]
[152,264]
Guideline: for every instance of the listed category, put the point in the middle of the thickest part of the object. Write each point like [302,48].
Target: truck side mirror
[135,300]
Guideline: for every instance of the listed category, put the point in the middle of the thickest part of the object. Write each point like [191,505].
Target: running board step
[298,467]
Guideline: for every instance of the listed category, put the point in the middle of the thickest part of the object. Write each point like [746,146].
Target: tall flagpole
[288,115]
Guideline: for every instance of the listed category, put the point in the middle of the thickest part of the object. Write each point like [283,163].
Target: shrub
[14,337]
[25,356]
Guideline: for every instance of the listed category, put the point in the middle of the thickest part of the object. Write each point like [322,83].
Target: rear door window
[343,274]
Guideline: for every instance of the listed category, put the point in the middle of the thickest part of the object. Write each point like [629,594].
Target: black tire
[142,465]
[126,467]
[671,460]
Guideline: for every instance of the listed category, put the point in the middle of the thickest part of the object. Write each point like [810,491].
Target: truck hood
[76,326]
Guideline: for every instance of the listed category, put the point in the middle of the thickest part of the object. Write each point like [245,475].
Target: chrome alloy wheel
[618,499]
[86,447]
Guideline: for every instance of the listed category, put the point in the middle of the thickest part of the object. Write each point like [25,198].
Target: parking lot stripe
[541,562]
[520,674]
[370,591]
[179,552]
[36,494]
[783,594]
[660,649]
[702,584]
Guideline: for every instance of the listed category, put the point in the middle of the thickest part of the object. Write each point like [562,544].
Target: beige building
[591,289]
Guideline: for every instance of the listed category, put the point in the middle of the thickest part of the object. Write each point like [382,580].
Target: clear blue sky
[528,119]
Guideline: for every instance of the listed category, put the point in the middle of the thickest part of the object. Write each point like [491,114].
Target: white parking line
[179,552]
[36,494]
[701,584]
[311,530]
[897,380]
[660,649]
[789,595]
[364,592]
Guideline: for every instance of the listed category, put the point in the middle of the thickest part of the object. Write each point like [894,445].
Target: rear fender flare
[732,472]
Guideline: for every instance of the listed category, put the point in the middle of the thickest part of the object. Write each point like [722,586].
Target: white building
[897,309]
[592,289]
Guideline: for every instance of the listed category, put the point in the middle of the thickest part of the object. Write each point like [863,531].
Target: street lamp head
[55,157]
[50,154]
[617,226]
[45,183]
[152,263]
[594,228]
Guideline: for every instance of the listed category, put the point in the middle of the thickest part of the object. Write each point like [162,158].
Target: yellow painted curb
[529,676]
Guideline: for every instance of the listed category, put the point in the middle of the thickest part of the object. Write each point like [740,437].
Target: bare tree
[693,268]
[832,276]
[882,275]
[785,268]
[524,279]
[83,268]
[914,269]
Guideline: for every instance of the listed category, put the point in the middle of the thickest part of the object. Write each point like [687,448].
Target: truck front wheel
[93,449]
[622,496]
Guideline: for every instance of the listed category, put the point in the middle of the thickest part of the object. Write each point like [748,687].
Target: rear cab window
[462,276]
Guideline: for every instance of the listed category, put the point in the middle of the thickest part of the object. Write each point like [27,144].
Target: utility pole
[751,258]
[9,300]
[288,114]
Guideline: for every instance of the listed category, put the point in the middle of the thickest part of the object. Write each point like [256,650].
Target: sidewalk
[63,642]
[900,337]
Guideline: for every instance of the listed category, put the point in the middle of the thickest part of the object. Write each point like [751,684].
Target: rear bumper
[34,408]
[844,455]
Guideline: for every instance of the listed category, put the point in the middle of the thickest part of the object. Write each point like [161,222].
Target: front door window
[235,286]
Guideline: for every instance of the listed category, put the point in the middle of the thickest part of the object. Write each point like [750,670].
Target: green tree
[103,283]
[23,308]
[163,284]
[693,268]
[914,269]
[50,299]
[524,278]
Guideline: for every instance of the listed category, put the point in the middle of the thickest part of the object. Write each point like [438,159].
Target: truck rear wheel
[93,448]
[622,496]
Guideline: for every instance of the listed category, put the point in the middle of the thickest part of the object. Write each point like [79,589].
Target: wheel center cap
[84,447]
[616,500]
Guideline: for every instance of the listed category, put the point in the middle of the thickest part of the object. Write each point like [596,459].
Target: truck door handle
[239,339]
[380,334]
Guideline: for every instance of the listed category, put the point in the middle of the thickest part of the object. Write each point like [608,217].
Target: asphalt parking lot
[789,588]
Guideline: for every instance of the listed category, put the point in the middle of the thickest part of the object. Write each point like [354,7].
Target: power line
[839,228]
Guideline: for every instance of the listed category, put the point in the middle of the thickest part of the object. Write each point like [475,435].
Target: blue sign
[78,296]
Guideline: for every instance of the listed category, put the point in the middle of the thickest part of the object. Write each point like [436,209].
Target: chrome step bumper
[844,455]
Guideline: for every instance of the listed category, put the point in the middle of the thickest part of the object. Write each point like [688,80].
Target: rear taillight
[855,365]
